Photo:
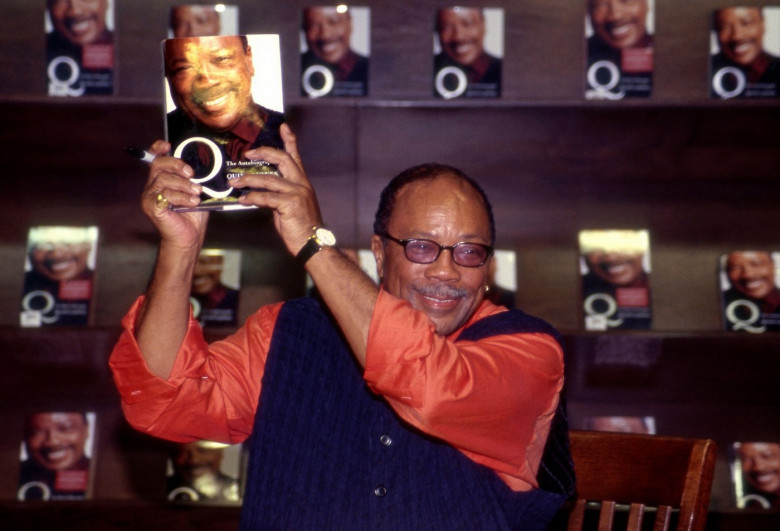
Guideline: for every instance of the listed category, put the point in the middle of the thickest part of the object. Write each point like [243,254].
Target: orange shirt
[492,399]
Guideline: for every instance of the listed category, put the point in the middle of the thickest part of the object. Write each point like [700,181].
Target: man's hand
[290,194]
[169,184]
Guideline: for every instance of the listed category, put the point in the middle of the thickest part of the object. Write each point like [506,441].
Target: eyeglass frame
[451,248]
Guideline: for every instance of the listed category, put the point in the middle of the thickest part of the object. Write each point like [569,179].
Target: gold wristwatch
[321,237]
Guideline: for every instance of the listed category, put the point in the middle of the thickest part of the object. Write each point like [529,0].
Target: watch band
[321,237]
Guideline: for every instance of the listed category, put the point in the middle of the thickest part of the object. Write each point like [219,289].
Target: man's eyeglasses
[466,254]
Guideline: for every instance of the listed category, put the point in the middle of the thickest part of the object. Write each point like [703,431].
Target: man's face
[619,23]
[752,273]
[79,21]
[447,211]
[194,21]
[60,261]
[56,440]
[211,79]
[616,267]
[327,32]
[461,33]
[208,270]
[761,465]
[740,32]
[192,460]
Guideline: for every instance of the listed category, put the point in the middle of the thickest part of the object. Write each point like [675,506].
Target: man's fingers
[290,144]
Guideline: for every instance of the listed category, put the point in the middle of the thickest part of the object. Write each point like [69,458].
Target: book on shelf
[619,53]
[223,98]
[335,50]
[621,424]
[79,48]
[750,290]
[216,284]
[59,274]
[502,278]
[202,20]
[755,474]
[57,457]
[468,52]
[745,52]
[615,273]
[206,472]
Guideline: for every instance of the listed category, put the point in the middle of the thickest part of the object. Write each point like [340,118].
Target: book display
[59,276]
[213,120]
[745,52]
[335,51]
[57,456]
[615,269]
[755,474]
[662,138]
[619,49]
[79,48]
[468,52]
[215,287]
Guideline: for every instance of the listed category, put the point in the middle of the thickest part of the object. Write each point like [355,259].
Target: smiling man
[57,464]
[761,469]
[328,31]
[740,33]
[461,34]
[211,84]
[360,400]
[620,51]
[79,48]
[751,275]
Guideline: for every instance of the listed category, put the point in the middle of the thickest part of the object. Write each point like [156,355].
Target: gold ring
[161,201]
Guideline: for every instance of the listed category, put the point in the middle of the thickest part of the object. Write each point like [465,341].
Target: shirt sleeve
[212,391]
[492,399]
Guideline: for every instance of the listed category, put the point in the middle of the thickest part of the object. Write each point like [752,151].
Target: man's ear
[378,248]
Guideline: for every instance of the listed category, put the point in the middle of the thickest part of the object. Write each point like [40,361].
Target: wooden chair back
[669,474]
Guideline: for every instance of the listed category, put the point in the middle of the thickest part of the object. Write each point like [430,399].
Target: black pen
[141,154]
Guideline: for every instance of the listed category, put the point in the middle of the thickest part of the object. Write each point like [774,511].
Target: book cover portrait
[619,49]
[225,98]
[79,47]
[57,456]
[59,276]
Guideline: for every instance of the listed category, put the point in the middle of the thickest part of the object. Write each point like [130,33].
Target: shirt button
[386,440]
[380,491]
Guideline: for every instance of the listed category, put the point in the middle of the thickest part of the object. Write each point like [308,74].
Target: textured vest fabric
[326,453]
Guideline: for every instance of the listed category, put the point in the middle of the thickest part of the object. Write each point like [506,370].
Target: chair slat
[662,518]
[635,514]
[606,516]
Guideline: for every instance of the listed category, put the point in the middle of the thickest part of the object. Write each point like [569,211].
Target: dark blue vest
[327,453]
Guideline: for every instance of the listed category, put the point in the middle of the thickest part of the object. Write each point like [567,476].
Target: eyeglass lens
[427,251]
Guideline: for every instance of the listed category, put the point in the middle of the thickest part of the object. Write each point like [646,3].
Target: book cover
[502,279]
[335,45]
[224,98]
[755,474]
[468,51]
[202,20]
[206,472]
[215,287]
[79,47]
[57,456]
[621,424]
[615,272]
[619,49]
[750,291]
[59,276]
[745,52]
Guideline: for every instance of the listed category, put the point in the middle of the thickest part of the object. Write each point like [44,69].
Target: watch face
[325,237]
